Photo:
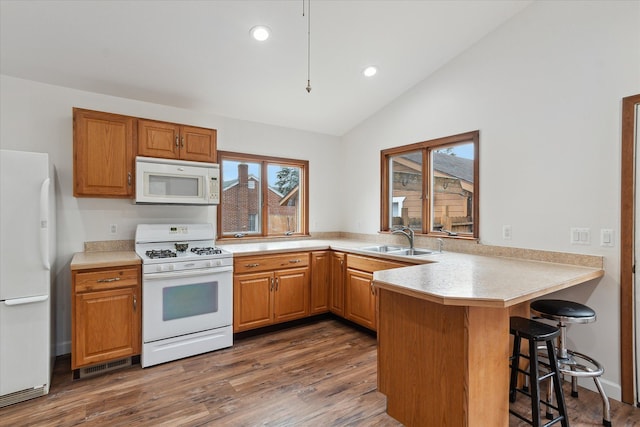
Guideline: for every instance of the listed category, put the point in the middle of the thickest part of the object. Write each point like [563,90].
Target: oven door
[184,302]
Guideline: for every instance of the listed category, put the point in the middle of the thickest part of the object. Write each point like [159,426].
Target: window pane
[452,183]
[406,190]
[283,200]
[241,198]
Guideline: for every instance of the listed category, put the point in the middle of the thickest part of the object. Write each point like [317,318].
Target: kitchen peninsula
[443,335]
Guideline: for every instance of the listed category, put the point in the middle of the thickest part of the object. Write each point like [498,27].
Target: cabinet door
[103,154]
[337,267]
[198,144]
[252,300]
[360,304]
[158,139]
[291,294]
[107,326]
[320,282]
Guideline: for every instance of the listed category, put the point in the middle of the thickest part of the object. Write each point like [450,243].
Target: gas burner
[206,251]
[162,253]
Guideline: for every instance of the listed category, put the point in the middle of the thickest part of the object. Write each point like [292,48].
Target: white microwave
[166,181]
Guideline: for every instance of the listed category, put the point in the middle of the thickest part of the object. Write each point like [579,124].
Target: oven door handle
[186,273]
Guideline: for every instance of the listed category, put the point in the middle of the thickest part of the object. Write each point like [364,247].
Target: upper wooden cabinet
[103,154]
[175,141]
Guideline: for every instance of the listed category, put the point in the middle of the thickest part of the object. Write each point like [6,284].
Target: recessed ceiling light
[260,33]
[370,71]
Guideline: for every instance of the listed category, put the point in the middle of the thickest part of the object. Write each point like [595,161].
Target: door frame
[627,250]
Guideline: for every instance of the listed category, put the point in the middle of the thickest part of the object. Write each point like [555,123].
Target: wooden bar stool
[571,362]
[536,333]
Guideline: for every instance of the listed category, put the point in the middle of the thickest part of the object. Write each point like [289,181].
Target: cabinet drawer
[106,279]
[371,264]
[252,264]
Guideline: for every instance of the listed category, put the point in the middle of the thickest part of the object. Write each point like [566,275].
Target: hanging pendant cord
[308,43]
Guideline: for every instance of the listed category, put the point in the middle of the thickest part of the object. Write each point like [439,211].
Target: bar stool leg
[549,413]
[515,362]
[574,385]
[534,385]
[557,385]
[606,408]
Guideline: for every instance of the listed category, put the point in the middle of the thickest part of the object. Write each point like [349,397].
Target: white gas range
[187,291]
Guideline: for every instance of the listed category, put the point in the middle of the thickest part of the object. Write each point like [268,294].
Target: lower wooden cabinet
[361,300]
[277,288]
[277,292]
[320,282]
[106,315]
[338,269]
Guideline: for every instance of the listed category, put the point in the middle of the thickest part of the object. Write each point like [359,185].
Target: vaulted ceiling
[199,54]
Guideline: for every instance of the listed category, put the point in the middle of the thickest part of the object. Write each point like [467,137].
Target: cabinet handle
[135,303]
[113,279]
[294,261]
[373,290]
[177,142]
[251,265]
[271,288]
[129,178]
[182,142]
[277,282]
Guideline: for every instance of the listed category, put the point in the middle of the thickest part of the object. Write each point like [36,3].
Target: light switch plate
[606,237]
[580,236]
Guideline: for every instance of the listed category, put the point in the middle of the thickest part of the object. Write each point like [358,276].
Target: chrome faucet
[407,232]
[440,244]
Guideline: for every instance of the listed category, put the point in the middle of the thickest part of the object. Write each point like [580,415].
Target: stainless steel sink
[396,250]
[411,252]
[382,248]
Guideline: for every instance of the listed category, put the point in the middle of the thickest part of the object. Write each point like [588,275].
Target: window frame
[264,188]
[426,147]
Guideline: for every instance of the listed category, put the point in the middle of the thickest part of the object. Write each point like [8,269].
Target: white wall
[545,92]
[38,117]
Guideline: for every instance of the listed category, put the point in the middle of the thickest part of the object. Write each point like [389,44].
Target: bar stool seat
[536,332]
[570,362]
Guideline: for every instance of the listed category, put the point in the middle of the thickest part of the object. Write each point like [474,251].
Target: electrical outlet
[113,228]
[506,232]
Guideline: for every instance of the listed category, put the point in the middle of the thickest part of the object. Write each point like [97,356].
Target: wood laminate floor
[316,374]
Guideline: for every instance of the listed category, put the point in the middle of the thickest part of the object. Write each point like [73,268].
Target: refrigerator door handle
[27,300]
[44,223]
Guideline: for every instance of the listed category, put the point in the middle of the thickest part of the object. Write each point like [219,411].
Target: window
[262,196]
[432,186]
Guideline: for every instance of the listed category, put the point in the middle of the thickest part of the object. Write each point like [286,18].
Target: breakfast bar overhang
[443,334]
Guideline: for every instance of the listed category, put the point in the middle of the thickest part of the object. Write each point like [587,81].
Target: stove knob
[218,262]
[159,267]
[171,267]
[209,263]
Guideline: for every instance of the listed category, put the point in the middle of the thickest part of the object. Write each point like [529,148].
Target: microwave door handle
[208,189]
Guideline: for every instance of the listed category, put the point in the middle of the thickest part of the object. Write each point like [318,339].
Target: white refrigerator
[26,255]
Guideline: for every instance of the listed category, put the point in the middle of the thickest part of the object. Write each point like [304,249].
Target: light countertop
[452,278]
[102,259]
[448,278]
[473,280]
